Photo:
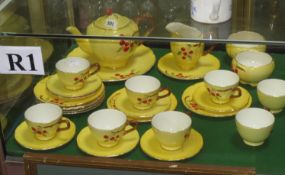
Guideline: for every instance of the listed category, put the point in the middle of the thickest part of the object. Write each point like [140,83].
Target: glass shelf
[43,18]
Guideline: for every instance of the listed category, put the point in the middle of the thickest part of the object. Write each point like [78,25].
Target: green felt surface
[222,144]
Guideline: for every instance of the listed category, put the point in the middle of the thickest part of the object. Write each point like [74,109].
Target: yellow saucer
[43,95]
[54,85]
[119,100]
[192,105]
[152,148]
[202,98]
[168,67]
[11,94]
[89,145]
[140,63]
[26,138]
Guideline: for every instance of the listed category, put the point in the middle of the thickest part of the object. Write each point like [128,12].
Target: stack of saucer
[12,87]
[51,90]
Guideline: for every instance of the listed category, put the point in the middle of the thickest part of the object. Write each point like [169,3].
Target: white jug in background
[211,11]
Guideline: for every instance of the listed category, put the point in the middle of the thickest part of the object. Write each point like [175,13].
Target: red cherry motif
[122,42]
[183,57]
[190,52]
[183,49]
[34,129]
[126,49]
[106,137]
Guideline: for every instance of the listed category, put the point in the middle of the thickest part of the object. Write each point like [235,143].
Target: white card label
[21,60]
[111,23]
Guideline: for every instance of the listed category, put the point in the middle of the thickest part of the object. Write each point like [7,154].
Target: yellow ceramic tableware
[186,54]
[141,62]
[87,144]
[17,90]
[74,72]
[43,95]
[253,66]
[44,120]
[144,91]
[189,103]
[206,63]
[113,54]
[203,100]
[55,87]
[222,85]
[27,139]
[171,129]
[271,94]
[119,100]
[254,125]
[152,148]
[233,49]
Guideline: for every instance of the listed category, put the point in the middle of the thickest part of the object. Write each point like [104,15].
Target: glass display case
[128,38]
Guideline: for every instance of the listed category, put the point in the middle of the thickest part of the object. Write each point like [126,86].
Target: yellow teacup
[253,66]
[43,119]
[108,126]
[143,91]
[74,71]
[171,129]
[233,49]
[271,94]
[222,85]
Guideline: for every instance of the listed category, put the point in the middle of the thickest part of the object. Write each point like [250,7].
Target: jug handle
[150,19]
[214,15]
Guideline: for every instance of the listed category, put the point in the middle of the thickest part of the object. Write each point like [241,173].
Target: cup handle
[165,95]
[94,68]
[134,125]
[64,128]
[238,90]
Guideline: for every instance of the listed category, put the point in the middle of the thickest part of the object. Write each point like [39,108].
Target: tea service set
[75,86]
[78,87]
[119,59]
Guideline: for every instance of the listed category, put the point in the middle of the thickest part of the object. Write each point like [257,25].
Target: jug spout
[84,44]
[181,30]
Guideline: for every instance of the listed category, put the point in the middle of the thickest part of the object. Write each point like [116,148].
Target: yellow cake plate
[141,62]
[168,67]
[26,138]
[152,148]
[89,145]
[202,105]
[54,85]
[119,100]
[43,95]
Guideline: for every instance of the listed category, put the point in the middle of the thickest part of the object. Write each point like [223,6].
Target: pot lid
[112,21]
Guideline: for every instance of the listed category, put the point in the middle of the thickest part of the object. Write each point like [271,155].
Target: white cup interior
[107,119]
[248,36]
[72,64]
[171,121]
[272,87]
[43,113]
[142,84]
[221,78]
[255,118]
[253,58]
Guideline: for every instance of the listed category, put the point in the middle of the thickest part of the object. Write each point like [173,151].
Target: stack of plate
[13,86]
[51,90]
